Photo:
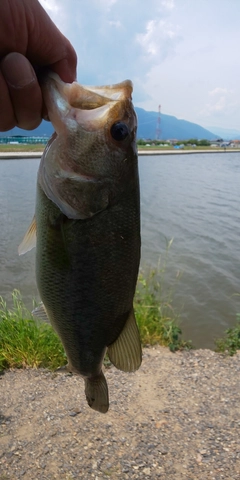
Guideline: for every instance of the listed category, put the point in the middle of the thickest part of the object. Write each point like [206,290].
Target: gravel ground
[178,417]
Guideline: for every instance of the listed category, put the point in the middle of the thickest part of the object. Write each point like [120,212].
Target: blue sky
[182,54]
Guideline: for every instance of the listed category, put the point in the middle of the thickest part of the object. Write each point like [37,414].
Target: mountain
[171,127]
[44,129]
[226,133]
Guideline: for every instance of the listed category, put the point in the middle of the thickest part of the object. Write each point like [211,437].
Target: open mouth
[90,97]
[87,106]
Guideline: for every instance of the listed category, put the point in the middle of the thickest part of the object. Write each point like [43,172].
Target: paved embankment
[18,155]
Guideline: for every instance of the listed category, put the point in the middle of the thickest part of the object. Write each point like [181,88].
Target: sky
[181,54]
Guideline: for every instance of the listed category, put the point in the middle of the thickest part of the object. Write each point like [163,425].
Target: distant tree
[140,141]
[203,143]
[182,142]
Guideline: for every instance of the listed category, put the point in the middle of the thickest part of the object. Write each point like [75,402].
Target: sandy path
[178,417]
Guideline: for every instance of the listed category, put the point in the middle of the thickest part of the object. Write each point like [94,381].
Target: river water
[193,199]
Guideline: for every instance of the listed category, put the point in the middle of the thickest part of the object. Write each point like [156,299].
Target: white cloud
[215,107]
[159,39]
[168,4]
[56,10]
[106,3]
[51,6]
[115,23]
[162,46]
[221,102]
[218,90]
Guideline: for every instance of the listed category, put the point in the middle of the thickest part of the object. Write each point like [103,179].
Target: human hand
[29,41]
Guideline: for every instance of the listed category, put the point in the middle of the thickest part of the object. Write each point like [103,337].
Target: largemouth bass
[87,229]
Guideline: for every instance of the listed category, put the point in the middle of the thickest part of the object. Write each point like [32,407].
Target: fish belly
[86,274]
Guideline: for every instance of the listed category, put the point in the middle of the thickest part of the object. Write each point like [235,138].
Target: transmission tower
[158,126]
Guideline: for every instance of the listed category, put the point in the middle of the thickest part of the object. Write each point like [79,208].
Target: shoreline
[183,152]
[21,155]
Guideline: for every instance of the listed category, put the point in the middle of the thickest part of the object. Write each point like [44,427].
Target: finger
[24,90]
[7,117]
[66,69]
[47,46]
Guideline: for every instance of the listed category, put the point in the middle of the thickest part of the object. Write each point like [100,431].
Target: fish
[86,229]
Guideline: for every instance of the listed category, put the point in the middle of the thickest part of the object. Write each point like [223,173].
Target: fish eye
[119,131]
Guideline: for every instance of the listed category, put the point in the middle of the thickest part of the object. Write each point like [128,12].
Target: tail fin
[96,391]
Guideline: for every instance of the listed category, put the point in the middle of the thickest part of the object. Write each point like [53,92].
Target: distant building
[24,140]
[234,144]
[225,144]
[216,142]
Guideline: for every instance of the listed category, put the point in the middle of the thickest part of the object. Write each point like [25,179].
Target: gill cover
[84,117]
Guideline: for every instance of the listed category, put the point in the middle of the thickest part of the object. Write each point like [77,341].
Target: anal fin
[126,352]
[96,391]
[29,239]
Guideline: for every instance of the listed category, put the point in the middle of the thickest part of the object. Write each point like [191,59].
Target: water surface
[191,198]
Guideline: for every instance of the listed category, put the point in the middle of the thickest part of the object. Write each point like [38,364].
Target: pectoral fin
[126,352]
[29,239]
[41,313]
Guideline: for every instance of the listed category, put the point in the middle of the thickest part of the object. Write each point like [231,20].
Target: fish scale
[103,290]
[87,226]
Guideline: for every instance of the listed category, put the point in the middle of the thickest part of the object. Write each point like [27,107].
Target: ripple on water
[191,198]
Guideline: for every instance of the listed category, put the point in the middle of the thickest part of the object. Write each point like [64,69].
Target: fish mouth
[90,107]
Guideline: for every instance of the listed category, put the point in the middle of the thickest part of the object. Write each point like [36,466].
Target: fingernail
[17,70]
[65,71]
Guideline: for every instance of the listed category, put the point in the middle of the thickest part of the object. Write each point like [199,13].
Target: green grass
[29,147]
[26,343]
[156,318]
[38,147]
[231,342]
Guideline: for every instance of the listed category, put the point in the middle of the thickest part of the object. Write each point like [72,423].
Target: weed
[24,342]
[156,318]
[231,343]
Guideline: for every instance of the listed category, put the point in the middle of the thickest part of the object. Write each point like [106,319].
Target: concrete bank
[19,155]
[184,152]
